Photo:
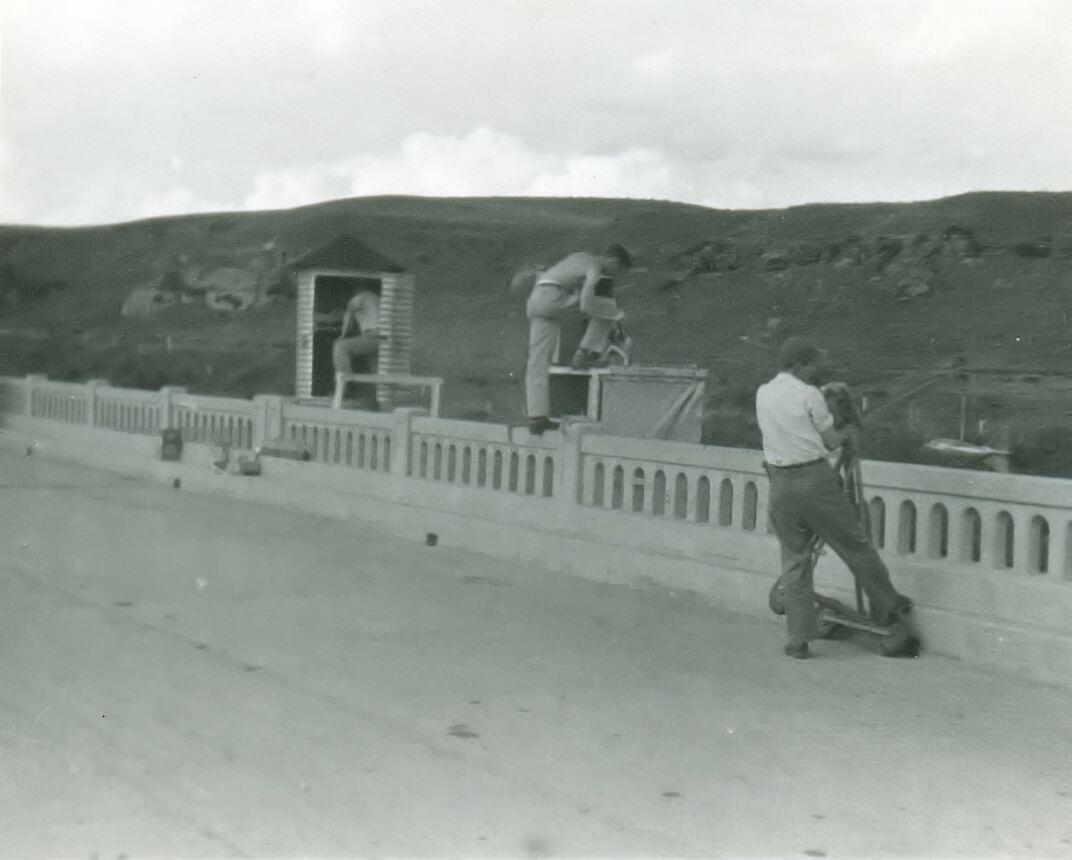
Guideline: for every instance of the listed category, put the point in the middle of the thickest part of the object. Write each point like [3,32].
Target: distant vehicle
[965,454]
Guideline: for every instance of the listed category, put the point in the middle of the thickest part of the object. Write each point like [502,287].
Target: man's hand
[841,405]
[850,439]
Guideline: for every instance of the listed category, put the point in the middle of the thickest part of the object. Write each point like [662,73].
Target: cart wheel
[899,642]
[776,598]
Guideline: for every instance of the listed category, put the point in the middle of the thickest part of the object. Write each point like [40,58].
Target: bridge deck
[185,675]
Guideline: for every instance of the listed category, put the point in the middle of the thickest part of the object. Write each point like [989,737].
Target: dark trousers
[808,501]
[346,349]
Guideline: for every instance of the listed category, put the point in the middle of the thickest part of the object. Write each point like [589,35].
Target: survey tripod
[894,639]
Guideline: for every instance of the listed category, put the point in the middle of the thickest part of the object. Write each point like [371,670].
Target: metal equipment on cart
[639,401]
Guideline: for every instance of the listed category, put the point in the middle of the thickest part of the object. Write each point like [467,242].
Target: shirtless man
[360,336]
[562,290]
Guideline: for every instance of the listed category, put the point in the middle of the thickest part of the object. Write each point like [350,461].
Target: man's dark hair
[796,350]
[618,252]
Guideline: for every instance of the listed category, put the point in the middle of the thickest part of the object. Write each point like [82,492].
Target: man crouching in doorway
[360,335]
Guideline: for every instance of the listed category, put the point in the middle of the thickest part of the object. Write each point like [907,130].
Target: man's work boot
[540,423]
[797,652]
[584,359]
[904,605]
[901,641]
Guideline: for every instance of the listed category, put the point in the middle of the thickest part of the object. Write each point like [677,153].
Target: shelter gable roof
[346,252]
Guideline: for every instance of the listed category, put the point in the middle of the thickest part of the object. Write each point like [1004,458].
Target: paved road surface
[185,675]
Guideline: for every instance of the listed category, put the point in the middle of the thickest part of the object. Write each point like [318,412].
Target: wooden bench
[433,383]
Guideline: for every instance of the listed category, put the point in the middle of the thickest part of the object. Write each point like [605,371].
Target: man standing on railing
[560,291]
[805,498]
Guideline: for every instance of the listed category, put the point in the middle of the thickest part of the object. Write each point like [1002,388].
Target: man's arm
[821,418]
[588,288]
[833,438]
[348,319]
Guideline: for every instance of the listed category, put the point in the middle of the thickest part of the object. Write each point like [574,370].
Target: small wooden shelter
[327,278]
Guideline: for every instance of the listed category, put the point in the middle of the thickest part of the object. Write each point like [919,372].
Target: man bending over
[561,291]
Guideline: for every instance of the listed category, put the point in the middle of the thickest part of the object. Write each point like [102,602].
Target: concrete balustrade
[985,556]
[124,409]
[57,401]
[483,457]
[676,484]
[213,420]
[360,440]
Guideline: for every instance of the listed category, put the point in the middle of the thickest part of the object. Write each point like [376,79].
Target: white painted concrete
[1003,620]
[187,675]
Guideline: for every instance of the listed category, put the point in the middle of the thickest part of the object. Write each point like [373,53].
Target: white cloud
[945,31]
[485,162]
[632,173]
[15,198]
[490,163]
[104,208]
[175,200]
[329,26]
[67,34]
[272,103]
[299,186]
[657,65]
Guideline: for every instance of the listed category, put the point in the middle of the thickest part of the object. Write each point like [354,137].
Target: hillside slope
[897,291]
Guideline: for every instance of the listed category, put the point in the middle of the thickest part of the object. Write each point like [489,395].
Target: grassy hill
[898,292]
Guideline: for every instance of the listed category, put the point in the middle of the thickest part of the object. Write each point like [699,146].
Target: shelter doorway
[330,296]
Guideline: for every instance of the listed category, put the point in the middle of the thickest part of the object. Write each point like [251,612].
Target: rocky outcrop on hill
[247,279]
[1059,247]
[227,288]
[146,301]
[16,289]
[903,264]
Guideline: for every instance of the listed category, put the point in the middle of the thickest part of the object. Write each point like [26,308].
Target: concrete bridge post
[1057,558]
[401,435]
[91,400]
[267,419]
[167,394]
[33,380]
[570,478]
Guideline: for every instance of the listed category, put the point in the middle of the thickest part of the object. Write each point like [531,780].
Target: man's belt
[800,465]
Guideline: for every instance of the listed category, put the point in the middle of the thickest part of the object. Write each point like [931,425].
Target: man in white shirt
[806,499]
[560,291]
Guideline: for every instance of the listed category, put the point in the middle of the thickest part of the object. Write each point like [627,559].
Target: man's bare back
[571,273]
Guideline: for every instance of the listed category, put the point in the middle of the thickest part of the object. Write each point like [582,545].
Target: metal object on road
[171,444]
[285,453]
[249,465]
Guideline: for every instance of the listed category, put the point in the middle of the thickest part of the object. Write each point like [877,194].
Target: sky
[115,110]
